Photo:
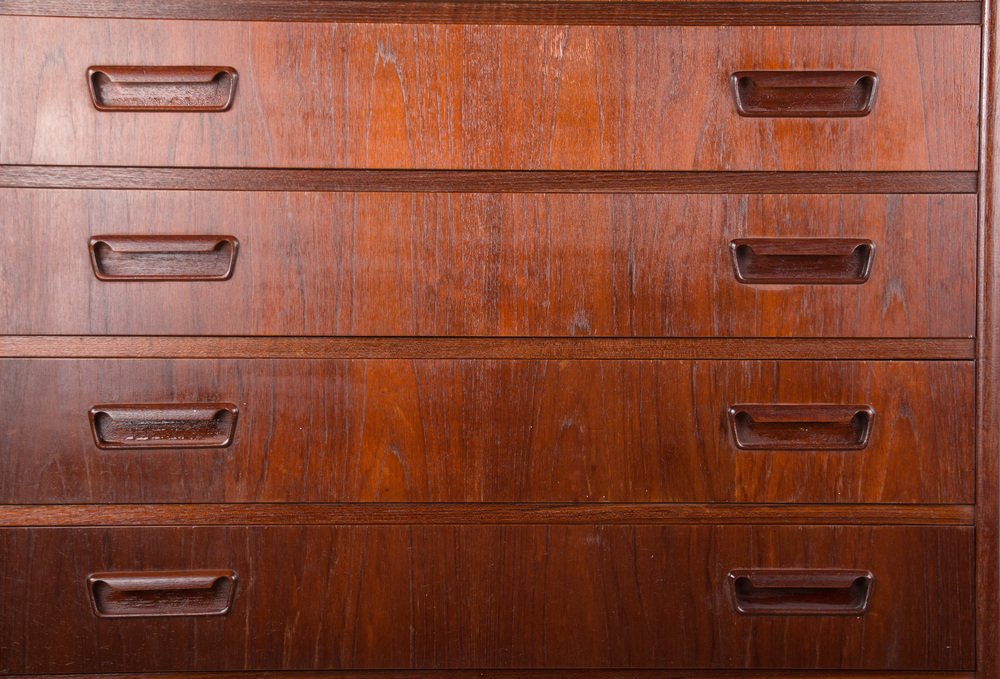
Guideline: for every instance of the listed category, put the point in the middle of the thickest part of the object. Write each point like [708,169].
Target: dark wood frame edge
[988,362]
[684,12]
[481,181]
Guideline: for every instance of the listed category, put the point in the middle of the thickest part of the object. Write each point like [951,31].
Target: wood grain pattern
[488,97]
[570,12]
[481,181]
[580,348]
[480,513]
[486,431]
[377,264]
[988,365]
[486,596]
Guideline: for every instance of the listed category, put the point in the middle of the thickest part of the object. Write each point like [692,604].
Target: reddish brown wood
[483,347]
[162,88]
[696,12]
[801,591]
[486,431]
[154,594]
[483,513]
[805,94]
[163,258]
[315,95]
[514,596]
[480,181]
[988,365]
[488,265]
[800,426]
[797,261]
[163,425]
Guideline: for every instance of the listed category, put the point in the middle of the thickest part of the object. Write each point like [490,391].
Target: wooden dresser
[499,339]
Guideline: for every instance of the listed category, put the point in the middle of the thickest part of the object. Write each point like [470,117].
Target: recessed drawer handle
[801,592]
[162,88]
[830,261]
[801,427]
[163,258]
[804,94]
[162,594]
[183,425]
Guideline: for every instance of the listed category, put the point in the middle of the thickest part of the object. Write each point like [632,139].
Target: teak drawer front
[549,596]
[485,431]
[488,264]
[479,97]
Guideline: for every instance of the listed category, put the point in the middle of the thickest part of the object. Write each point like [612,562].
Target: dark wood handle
[801,427]
[163,258]
[161,594]
[183,425]
[162,88]
[831,261]
[804,94]
[801,591]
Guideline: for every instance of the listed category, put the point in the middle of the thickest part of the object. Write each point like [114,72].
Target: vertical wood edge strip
[988,363]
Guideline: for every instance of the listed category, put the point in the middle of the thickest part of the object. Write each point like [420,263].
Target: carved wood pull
[801,427]
[830,261]
[161,594]
[801,591]
[162,88]
[804,94]
[163,258]
[183,425]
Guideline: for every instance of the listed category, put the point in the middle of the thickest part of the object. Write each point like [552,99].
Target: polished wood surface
[611,12]
[488,97]
[486,431]
[988,365]
[482,264]
[515,596]
[34,346]
[481,181]
[452,513]
[499,339]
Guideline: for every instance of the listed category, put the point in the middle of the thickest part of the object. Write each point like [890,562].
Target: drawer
[485,431]
[474,596]
[487,264]
[486,97]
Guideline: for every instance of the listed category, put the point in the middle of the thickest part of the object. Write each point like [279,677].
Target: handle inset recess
[163,258]
[182,425]
[162,88]
[801,427]
[801,591]
[817,261]
[161,594]
[804,94]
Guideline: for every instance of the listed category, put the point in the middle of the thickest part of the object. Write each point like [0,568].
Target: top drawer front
[488,97]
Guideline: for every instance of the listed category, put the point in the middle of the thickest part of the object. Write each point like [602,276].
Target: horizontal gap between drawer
[532,674]
[560,348]
[520,12]
[480,181]
[480,514]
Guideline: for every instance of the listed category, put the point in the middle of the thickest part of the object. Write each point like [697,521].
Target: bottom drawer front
[556,596]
